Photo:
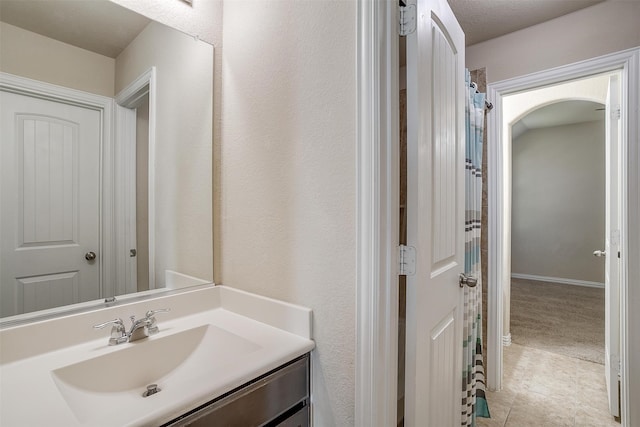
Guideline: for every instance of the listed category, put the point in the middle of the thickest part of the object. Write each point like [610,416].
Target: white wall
[288,177]
[558,202]
[27,54]
[606,27]
[183,145]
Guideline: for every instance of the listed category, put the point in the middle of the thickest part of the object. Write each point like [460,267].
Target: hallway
[548,389]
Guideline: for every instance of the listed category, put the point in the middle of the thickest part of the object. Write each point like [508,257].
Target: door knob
[90,256]
[467,280]
[599,253]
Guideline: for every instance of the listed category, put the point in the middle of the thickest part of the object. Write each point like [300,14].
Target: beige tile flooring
[547,389]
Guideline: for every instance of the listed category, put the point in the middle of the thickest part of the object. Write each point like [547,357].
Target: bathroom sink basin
[92,387]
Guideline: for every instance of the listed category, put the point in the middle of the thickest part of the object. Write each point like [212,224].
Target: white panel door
[435,221]
[49,190]
[612,246]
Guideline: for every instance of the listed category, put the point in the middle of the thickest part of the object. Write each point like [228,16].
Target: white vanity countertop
[261,333]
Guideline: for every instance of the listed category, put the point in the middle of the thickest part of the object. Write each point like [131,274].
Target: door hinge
[615,237]
[615,113]
[619,369]
[407,20]
[406,260]
[616,365]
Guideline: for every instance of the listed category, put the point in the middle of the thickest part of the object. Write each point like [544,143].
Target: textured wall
[288,177]
[558,202]
[606,27]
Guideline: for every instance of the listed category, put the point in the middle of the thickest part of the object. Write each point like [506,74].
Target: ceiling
[558,114]
[482,20]
[113,27]
[96,25]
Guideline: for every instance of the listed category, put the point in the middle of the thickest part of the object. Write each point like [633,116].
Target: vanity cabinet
[278,398]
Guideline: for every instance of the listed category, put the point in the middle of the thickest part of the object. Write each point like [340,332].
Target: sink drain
[151,389]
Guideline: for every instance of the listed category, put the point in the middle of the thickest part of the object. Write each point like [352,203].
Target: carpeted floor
[562,319]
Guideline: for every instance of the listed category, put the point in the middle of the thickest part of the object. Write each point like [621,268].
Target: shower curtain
[473,384]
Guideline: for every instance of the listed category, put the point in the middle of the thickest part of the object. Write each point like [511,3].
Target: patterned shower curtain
[473,384]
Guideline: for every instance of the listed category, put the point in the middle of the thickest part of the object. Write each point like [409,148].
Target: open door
[435,215]
[612,247]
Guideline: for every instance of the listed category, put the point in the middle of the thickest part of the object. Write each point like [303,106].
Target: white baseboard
[558,280]
[506,340]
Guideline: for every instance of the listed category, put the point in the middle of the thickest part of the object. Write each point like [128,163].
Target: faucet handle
[152,313]
[116,323]
[152,329]
[118,332]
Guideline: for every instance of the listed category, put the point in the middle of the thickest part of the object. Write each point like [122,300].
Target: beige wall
[183,145]
[558,202]
[31,55]
[288,174]
[604,28]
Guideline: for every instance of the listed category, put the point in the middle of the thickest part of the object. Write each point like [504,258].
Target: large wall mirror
[105,157]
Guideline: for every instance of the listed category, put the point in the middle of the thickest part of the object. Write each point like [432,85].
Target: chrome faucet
[140,328]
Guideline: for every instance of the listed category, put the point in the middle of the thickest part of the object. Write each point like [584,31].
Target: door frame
[377,213]
[126,101]
[628,62]
[104,106]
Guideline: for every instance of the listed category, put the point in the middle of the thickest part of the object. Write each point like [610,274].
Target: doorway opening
[554,295]
[557,194]
[500,203]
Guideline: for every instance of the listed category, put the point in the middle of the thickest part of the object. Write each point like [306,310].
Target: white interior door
[49,190]
[435,216]
[612,246]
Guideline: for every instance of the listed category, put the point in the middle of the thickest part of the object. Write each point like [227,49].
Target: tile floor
[547,389]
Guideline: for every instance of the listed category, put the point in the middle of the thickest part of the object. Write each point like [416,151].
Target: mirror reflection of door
[50,194]
[142,194]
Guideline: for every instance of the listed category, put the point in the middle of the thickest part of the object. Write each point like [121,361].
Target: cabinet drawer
[257,402]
